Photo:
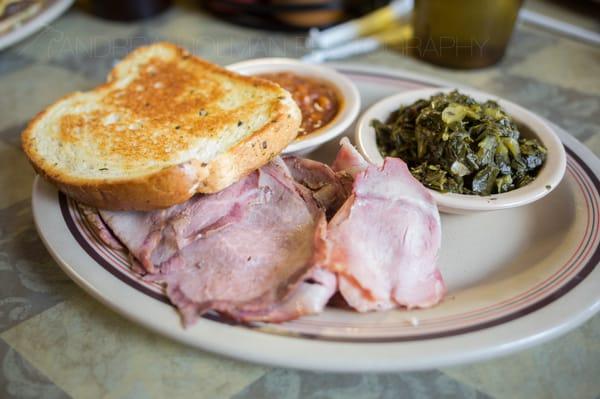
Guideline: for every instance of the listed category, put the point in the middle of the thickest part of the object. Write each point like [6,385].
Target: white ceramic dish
[49,12]
[547,180]
[347,90]
[515,278]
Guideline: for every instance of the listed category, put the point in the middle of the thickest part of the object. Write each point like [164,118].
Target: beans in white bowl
[316,85]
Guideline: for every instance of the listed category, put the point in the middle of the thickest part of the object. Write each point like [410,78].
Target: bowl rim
[347,90]
[548,177]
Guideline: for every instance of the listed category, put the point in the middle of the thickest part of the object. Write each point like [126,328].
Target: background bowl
[529,125]
[350,104]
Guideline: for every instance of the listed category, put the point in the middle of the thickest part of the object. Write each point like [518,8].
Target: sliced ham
[248,251]
[383,242]
[296,287]
[310,297]
[99,227]
[262,249]
[156,238]
[326,186]
[348,160]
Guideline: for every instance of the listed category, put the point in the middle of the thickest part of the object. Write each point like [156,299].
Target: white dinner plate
[515,278]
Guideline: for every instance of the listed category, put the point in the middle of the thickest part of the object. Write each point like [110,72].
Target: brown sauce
[318,100]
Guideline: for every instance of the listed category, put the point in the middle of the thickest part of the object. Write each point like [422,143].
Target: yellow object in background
[371,23]
[395,34]
[377,20]
[463,33]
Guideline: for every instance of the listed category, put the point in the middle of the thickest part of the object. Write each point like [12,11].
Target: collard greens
[452,143]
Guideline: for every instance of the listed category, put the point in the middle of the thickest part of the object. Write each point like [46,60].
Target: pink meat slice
[348,160]
[383,242]
[327,187]
[156,238]
[248,251]
[276,282]
[99,227]
[310,297]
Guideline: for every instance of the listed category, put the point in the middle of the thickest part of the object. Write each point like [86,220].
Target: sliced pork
[262,249]
[99,227]
[383,242]
[326,186]
[247,251]
[156,238]
[348,160]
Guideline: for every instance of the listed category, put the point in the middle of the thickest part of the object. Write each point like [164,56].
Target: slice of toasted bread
[165,126]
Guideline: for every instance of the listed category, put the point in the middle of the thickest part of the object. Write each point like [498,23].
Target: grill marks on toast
[164,89]
[160,112]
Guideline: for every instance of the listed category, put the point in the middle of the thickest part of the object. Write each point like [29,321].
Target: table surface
[56,341]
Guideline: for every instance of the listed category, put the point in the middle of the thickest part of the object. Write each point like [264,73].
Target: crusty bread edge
[176,184]
[254,151]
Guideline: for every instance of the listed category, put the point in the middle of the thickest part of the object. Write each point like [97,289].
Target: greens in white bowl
[474,151]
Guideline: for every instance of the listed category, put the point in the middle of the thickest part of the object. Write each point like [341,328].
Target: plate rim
[285,351]
[35,23]
[588,249]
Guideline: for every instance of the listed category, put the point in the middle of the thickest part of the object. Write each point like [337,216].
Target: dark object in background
[289,15]
[128,10]
[325,12]
[463,33]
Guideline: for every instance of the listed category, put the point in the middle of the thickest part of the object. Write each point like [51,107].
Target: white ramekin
[350,104]
[549,175]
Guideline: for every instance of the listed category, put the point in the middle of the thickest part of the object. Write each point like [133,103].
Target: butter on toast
[165,126]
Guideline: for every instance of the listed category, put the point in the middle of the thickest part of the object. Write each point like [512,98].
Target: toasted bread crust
[177,183]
